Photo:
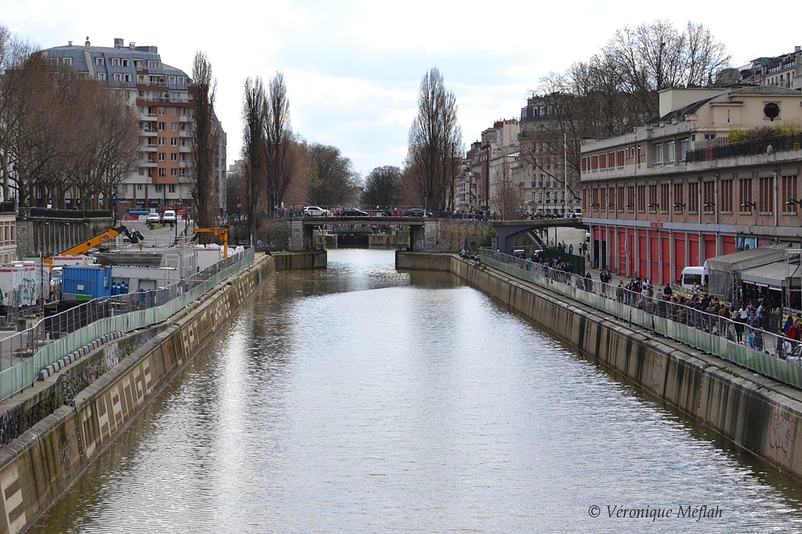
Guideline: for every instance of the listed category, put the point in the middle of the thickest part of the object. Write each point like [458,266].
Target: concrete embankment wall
[759,414]
[39,465]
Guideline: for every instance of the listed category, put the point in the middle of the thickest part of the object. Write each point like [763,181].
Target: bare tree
[383,187]
[435,143]
[204,141]
[278,141]
[506,196]
[14,53]
[254,116]
[615,91]
[656,56]
[109,144]
[35,115]
[336,183]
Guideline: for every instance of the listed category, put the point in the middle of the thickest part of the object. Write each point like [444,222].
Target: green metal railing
[700,334]
[38,350]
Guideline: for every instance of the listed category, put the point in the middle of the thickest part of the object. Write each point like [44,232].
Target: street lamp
[114,206]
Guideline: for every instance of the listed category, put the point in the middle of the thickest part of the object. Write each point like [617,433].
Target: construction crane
[86,246]
[221,232]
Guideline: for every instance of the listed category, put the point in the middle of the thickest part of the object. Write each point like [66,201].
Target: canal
[362,399]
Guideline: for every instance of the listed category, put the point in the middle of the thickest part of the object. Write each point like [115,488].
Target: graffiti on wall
[14,422]
[783,430]
[75,382]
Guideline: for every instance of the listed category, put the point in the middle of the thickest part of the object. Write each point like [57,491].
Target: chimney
[118,43]
[132,45]
[69,43]
[87,43]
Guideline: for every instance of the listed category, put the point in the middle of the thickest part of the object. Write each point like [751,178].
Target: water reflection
[361,399]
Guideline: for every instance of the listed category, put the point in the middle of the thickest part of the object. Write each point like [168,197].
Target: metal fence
[778,143]
[754,348]
[25,354]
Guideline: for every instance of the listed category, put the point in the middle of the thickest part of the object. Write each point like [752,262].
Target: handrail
[755,349]
[59,335]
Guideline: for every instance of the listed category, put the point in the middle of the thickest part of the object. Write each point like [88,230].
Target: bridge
[510,231]
[424,231]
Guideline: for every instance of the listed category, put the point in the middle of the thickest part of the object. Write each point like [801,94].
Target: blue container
[85,282]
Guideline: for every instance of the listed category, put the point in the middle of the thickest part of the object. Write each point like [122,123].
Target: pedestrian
[787,349]
[793,331]
[789,322]
[759,313]
[667,292]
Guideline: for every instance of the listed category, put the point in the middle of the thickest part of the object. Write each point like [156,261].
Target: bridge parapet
[426,234]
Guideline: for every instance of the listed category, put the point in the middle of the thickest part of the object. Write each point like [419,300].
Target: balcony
[148,148]
[149,133]
[759,147]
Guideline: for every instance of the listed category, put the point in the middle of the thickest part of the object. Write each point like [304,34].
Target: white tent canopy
[724,272]
[772,275]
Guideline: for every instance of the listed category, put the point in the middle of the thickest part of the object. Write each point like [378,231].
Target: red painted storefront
[655,252]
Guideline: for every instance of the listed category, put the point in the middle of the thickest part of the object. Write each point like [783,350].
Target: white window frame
[658,153]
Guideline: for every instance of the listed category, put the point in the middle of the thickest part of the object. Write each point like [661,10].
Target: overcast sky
[353,67]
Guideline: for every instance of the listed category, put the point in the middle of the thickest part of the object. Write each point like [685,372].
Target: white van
[693,276]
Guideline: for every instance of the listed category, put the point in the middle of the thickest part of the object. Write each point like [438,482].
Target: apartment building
[161,95]
[499,151]
[781,71]
[543,184]
[675,192]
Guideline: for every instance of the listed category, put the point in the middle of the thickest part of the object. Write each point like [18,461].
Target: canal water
[362,399]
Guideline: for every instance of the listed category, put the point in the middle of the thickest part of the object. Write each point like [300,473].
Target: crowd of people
[747,322]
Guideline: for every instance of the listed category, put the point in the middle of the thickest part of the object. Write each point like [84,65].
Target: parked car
[169,216]
[417,212]
[154,217]
[315,211]
[353,212]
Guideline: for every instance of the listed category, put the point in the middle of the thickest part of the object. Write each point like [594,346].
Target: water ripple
[360,399]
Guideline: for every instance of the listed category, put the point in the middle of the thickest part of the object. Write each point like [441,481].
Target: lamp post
[114,206]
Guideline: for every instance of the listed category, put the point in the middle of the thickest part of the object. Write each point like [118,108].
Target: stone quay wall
[755,412]
[36,467]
